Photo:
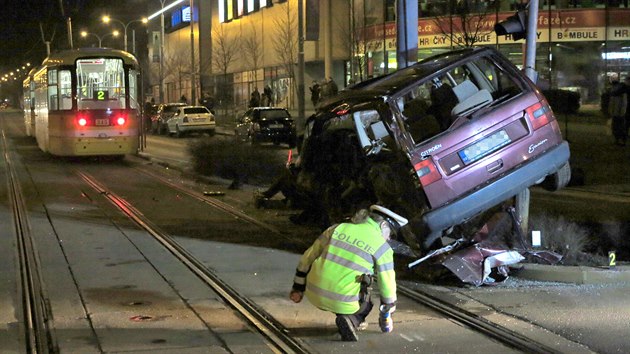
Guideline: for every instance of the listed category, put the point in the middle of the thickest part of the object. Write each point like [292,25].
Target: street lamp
[84,34]
[107,19]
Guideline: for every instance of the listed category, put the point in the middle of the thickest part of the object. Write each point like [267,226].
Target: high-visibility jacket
[330,270]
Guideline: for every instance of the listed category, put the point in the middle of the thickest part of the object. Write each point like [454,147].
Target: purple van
[440,142]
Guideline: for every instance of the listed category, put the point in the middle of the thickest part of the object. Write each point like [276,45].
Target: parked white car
[189,119]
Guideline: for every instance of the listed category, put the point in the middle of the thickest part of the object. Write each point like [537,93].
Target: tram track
[258,318]
[278,337]
[38,336]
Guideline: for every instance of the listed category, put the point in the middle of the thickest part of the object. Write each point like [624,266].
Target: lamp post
[84,34]
[107,19]
[193,93]
[161,13]
[162,52]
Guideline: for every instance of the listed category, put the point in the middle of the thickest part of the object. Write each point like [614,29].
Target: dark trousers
[365,304]
[619,128]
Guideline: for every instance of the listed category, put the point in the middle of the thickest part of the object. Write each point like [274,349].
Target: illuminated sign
[100,95]
[181,15]
[232,9]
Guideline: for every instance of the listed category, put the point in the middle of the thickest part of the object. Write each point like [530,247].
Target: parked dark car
[164,112]
[439,142]
[266,124]
[563,101]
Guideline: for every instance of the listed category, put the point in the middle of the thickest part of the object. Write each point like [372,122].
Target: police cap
[396,221]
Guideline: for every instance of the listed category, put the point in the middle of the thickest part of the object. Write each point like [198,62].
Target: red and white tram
[84,102]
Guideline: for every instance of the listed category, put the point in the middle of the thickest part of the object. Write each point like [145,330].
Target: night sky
[21,39]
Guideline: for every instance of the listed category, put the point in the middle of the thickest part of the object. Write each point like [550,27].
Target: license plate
[484,147]
[101,122]
[199,119]
[276,126]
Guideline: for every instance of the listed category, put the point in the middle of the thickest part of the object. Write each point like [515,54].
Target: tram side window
[133,89]
[52,90]
[65,89]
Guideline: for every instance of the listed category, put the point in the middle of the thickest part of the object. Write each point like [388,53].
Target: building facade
[580,44]
[242,45]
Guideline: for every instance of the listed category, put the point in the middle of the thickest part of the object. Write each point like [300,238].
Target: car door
[243,125]
[174,119]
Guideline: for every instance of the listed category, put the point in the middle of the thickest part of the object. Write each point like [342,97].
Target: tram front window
[100,83]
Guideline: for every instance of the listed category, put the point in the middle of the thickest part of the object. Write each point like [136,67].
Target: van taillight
[82,121]
[120,120]
[427,172]
[538,114]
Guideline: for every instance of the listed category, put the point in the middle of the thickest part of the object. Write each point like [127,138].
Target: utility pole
[68,24]
[162,53]
[193,95]
[406,33]
[300,71]
[523,198]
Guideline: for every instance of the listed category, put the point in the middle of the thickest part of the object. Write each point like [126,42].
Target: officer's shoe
[259,199]
[346,329]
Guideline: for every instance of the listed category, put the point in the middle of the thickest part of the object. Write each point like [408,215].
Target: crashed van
[440,142]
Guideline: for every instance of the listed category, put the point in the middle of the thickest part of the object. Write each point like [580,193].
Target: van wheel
[559,179]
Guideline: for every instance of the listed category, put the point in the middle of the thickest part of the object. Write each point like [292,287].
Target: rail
[35,312]
[276,334]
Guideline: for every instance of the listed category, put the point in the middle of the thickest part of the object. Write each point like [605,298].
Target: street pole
[125,27]
[193,95]
[162,54]
[300,73]
[328,52]
[523,198]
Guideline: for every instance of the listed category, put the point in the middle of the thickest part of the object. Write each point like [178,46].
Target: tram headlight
[120,120]
[82,121]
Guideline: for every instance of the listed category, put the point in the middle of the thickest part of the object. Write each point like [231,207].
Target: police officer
[336,271]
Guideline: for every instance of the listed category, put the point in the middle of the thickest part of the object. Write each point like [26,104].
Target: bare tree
[224,53]
[355,43]
[252,49]
[285,44]
[468,21]
[177,67]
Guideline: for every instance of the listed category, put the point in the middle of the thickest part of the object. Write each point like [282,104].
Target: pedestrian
[626,83]
[183,99]
[315,92]
[336,272]
[254,100]
[286,184]
[617,111]
[207,101]
[268,93]
[333,89]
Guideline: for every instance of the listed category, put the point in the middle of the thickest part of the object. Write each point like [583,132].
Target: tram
[84,102]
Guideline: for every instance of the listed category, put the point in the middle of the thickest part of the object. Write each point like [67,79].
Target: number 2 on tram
[84,102]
